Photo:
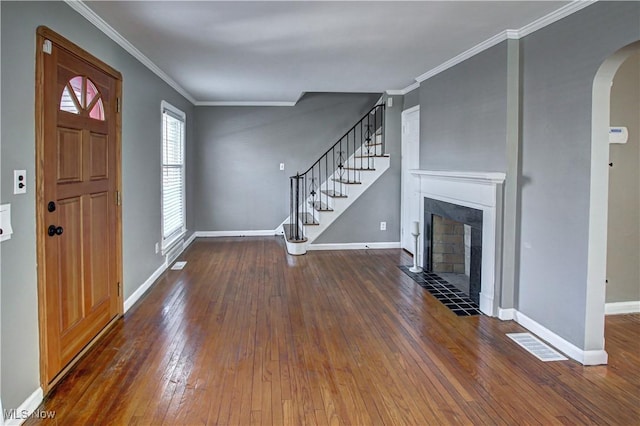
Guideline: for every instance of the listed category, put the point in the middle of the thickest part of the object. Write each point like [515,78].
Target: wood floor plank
[248,335]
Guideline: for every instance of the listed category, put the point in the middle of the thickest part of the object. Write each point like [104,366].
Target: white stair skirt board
[619,308]
[26,409]
[178,266]
[536,347]
[340,205]
[585,357]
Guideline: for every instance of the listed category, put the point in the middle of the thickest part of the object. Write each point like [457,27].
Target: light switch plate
[19,181]
[281,166]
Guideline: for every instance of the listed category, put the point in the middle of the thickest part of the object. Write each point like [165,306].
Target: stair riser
[341,204]
[352,191]
[351,174]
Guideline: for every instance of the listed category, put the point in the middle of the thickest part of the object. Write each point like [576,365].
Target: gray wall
[464,127]
[623,248]
[381,202]
[238,184]
[463,113]
[559,65]
[142,94]
[411,99]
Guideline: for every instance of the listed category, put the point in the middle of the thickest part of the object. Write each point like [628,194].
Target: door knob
[54,230]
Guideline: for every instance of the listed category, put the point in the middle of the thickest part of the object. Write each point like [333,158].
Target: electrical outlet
[281,166]
[19,181]
[383,226]
[157,248]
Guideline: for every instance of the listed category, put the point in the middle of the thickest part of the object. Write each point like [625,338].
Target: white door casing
[410,208]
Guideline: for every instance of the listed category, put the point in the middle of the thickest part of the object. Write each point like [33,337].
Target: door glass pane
[67,103]
[76,85]
[92,92]
[97,111]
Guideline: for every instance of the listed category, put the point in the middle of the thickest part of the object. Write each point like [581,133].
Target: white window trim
[168,243]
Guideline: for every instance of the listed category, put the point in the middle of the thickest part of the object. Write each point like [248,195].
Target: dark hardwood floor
[246,334]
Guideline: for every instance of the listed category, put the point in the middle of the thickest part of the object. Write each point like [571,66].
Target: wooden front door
[78,201]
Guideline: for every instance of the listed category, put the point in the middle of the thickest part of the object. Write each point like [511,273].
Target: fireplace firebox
[444,251]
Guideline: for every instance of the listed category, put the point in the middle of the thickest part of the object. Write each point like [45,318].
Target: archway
[599,197]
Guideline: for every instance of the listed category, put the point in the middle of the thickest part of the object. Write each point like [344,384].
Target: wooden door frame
[43,33]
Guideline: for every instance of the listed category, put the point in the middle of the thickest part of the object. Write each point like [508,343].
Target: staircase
[343,173]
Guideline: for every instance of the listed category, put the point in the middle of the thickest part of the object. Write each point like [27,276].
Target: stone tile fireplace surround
[477,190]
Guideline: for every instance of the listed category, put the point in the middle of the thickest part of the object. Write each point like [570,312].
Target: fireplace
[474,199]
[453,244]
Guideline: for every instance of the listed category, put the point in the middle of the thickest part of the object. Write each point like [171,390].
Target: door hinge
[47,47]
[118,106]
[119,288]
[118,199]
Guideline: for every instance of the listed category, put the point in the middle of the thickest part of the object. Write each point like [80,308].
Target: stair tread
[320,206]
[334,194]
[372,156]
[307,219]
[360,169]
[346,181]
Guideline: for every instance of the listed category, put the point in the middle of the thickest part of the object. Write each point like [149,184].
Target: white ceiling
[273,51]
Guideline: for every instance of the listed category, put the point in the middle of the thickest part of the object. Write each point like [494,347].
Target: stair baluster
[306,190]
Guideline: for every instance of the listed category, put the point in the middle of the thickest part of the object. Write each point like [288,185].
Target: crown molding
[566,10]
[540,23]
[554,16]
[246,103]
[404,91]
[512,34]
[480,47]
[84,10]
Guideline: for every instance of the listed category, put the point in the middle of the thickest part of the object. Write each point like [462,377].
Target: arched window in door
[80,96]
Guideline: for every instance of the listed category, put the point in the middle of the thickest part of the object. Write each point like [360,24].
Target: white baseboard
[259,233]
[188,242]
[506,314]
[353,246]
[616,308]
[590,357]
[131,300]
[486,304]
[27,408]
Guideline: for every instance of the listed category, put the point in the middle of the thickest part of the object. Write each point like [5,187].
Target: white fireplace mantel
[479,177]
[478,190]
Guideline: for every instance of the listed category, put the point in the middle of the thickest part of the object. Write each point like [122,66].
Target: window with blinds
[173,182]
